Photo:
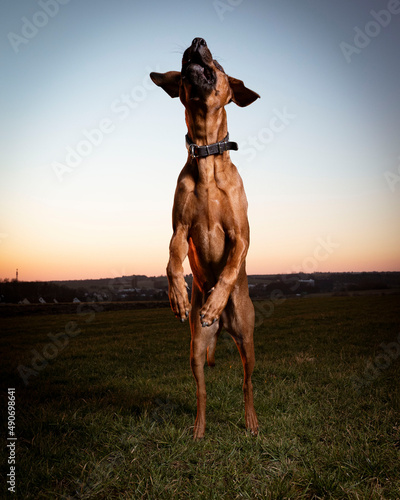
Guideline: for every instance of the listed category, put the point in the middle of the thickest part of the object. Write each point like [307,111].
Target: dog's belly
[208,253]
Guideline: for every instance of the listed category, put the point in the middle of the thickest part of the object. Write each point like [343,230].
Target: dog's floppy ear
[169,81]
[242,96]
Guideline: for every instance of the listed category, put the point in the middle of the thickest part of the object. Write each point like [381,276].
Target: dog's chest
[209,225]
[212,207]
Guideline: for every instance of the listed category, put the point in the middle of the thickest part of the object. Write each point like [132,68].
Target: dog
[210,223]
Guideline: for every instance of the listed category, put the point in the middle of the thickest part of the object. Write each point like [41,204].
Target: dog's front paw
[179,300]
[212,309]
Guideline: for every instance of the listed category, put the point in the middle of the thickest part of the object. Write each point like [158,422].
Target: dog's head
[202,79]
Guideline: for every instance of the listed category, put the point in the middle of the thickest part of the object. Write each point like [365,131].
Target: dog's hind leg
[239,321]
[211,347]
[202,339]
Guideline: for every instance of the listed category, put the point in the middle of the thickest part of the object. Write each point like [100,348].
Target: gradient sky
[319,153]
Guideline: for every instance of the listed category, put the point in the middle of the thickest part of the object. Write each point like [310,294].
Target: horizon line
[14,280]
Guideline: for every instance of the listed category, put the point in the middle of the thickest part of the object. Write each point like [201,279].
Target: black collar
[217,148]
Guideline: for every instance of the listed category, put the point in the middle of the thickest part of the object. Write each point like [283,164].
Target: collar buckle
[191,150]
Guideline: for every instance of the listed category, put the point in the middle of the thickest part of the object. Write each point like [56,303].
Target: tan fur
[210,226]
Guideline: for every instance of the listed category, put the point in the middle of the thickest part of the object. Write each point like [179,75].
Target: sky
[91,149]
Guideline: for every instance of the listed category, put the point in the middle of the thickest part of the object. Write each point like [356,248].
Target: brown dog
[210,222]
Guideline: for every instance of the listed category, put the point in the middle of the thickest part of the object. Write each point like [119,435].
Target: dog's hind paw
[251,422]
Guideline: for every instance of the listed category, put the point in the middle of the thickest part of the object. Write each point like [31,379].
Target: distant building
[309,282]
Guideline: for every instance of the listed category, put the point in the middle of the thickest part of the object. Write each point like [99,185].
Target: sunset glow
[92,149]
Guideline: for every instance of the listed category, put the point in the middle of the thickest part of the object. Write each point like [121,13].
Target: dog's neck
[205,126]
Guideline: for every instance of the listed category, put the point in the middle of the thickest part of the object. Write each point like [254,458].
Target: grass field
[107,411]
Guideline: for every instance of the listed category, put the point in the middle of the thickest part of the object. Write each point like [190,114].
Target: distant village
[143,288]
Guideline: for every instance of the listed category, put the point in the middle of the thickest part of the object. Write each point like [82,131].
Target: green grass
[111,416]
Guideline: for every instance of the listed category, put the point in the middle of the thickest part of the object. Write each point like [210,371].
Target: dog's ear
[242,96]
[169,81]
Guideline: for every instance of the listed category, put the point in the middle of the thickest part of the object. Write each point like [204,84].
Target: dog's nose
[198,42]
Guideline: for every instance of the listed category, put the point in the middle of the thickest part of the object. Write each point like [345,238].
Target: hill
[141,287]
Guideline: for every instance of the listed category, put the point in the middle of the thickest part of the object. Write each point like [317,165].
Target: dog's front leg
[215,304]
[178,295]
